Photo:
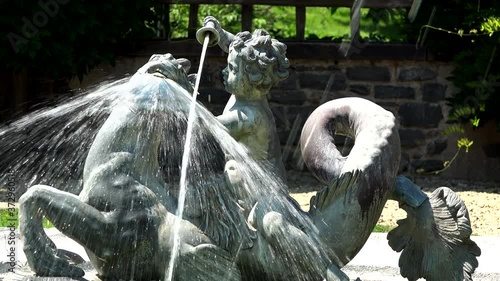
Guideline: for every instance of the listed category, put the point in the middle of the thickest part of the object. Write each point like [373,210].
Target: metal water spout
[209,29]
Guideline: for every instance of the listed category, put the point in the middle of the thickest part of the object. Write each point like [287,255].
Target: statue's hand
[218,36]
[214,21]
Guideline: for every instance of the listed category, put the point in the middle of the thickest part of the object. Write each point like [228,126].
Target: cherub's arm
[236,122]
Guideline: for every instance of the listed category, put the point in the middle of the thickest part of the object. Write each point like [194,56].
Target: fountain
[232,218]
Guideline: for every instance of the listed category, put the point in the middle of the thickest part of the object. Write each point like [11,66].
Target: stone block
[416,74]
[299,114]
[427,166]
[287,97]
[213,96]
[369,73]
[437,146]
[306,65]
[319,80]
[387,104]
[209,78]
[318,97]
[283,135]
[290,83]
[411,137]
[404,163]
[360,89]
[394,92]
[433,92]
[290,137]
[423,115]
[279,114]
[491,150]
[305,110]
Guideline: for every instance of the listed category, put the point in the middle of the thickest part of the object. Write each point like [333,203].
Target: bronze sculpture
[260,233]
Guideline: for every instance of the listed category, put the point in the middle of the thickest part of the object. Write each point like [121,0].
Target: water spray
[208,37]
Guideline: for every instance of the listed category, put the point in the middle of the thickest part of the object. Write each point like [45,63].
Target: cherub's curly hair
[265,61]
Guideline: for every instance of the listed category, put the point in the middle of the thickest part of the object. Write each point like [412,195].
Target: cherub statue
[255,63]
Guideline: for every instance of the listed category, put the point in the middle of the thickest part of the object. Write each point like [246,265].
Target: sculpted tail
[435,239]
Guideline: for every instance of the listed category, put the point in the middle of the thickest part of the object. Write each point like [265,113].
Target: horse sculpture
[237,228]
[124,214]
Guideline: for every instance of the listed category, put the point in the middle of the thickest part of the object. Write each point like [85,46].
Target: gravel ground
[481,198]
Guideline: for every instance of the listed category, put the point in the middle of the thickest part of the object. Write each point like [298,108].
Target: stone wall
[414,90]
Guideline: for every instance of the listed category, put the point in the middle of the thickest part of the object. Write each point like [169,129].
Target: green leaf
[475,121]
[464,142]
[455,128]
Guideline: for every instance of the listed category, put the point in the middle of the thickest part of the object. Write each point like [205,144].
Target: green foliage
[54,40]
[278,20]
[491,25]
[455,128]
[377,25]
[178,21]
[65,40]
[7,218]
[467,33]
[229,15]
[382,228]
[464,142]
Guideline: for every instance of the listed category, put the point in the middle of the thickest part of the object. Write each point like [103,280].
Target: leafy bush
[63,38]
[467,33]
[380,25]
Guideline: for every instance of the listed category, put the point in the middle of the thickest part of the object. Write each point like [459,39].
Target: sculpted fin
[330,193]
[435,239]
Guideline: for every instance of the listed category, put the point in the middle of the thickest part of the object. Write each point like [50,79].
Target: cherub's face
[233,75]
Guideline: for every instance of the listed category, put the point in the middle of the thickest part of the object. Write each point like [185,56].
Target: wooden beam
[300,22]
[193,20]
[166,21]
[306,3]
[246,17]
[295,50]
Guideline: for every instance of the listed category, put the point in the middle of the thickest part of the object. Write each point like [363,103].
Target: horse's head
[161,86]
[166,66]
